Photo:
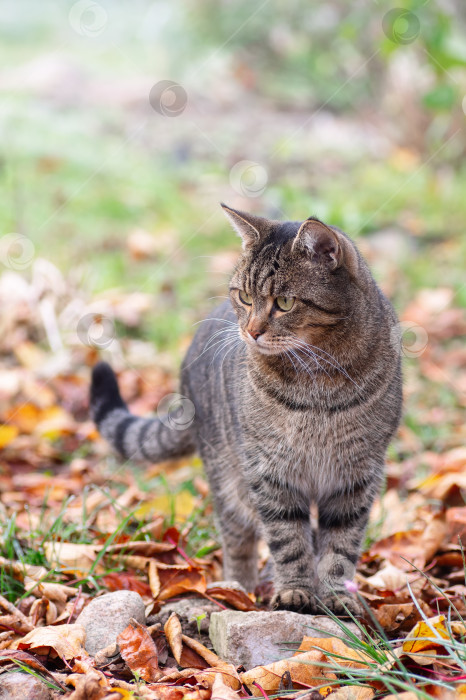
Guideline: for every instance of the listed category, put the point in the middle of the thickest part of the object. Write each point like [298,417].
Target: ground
[113,246]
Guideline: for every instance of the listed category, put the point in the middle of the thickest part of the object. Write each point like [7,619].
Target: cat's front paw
[298,600]
[340,604]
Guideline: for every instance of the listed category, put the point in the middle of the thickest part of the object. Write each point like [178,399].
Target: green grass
[385,670]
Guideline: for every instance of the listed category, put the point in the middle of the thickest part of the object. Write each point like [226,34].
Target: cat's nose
[255,332]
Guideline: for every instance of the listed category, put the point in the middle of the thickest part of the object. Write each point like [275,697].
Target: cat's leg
[239,547]
[343,519]
[285,517]
[237,526]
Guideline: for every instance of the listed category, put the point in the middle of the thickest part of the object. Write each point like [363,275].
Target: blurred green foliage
[85,161]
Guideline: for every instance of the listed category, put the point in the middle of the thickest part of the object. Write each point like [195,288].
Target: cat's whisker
[305,367]
[288,355]
[222,332]
[226,343]
[312,348]
[234,346]
[312,356]
[213,318]
[207,348]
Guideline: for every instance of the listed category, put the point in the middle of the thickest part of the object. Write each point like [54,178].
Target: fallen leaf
[154,579]
[236,598]
[337,651]
[353,692]
[14,618]
[173,632]
[7,434]
[221,691]
[209,656]
[65,641]
[89,686]
[174,582]
[392,616]
[302,674]
[426,635]
[389,578]
[139,651]
[73,558]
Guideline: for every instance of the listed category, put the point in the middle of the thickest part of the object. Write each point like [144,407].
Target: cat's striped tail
[158,439]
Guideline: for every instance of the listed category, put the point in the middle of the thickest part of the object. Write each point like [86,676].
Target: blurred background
[123,125]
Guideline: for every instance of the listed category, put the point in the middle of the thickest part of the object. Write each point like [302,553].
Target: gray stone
[256,638]
[107,616]
[22,686]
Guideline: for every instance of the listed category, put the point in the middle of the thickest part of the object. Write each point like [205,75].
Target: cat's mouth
[262,345]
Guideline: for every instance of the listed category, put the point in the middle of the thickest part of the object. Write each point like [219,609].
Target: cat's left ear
[247,226]
[325,245]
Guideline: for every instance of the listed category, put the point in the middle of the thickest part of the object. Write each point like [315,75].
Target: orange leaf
[423,636]
[65,641]
[154,579]
[237,599]
[208,655]
[175,582]
[303,675]
[173,633]
[139,651]
[339,653]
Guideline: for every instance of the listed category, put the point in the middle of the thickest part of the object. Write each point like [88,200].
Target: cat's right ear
[247,226]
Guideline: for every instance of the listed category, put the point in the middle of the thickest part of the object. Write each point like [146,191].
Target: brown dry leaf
[14,618]
[89,686]
[53,591]
[65,641]
[73,558]
[389,578]
[302,674]
[406,695]
[26,659]
[144,549]
[221,691]
[208,655]
[175,582]
[338,652]
[392,616]
[173,632]
[352,692]
[191,659]
[154,579]
[414,547]
[139,651]
[227,671]
[237,599]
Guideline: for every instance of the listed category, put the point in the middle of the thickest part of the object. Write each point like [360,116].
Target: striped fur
[300,415]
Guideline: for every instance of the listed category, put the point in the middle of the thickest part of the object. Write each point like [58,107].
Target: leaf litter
[74,522]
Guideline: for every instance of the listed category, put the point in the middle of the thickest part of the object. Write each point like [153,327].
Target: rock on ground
[257,638]
[107,616]
[22,686]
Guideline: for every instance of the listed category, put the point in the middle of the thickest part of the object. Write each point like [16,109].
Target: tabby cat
[296,387]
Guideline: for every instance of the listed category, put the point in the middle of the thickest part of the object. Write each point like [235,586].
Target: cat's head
[294,283]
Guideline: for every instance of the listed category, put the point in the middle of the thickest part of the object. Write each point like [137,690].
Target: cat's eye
[245,297]
[285,303]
